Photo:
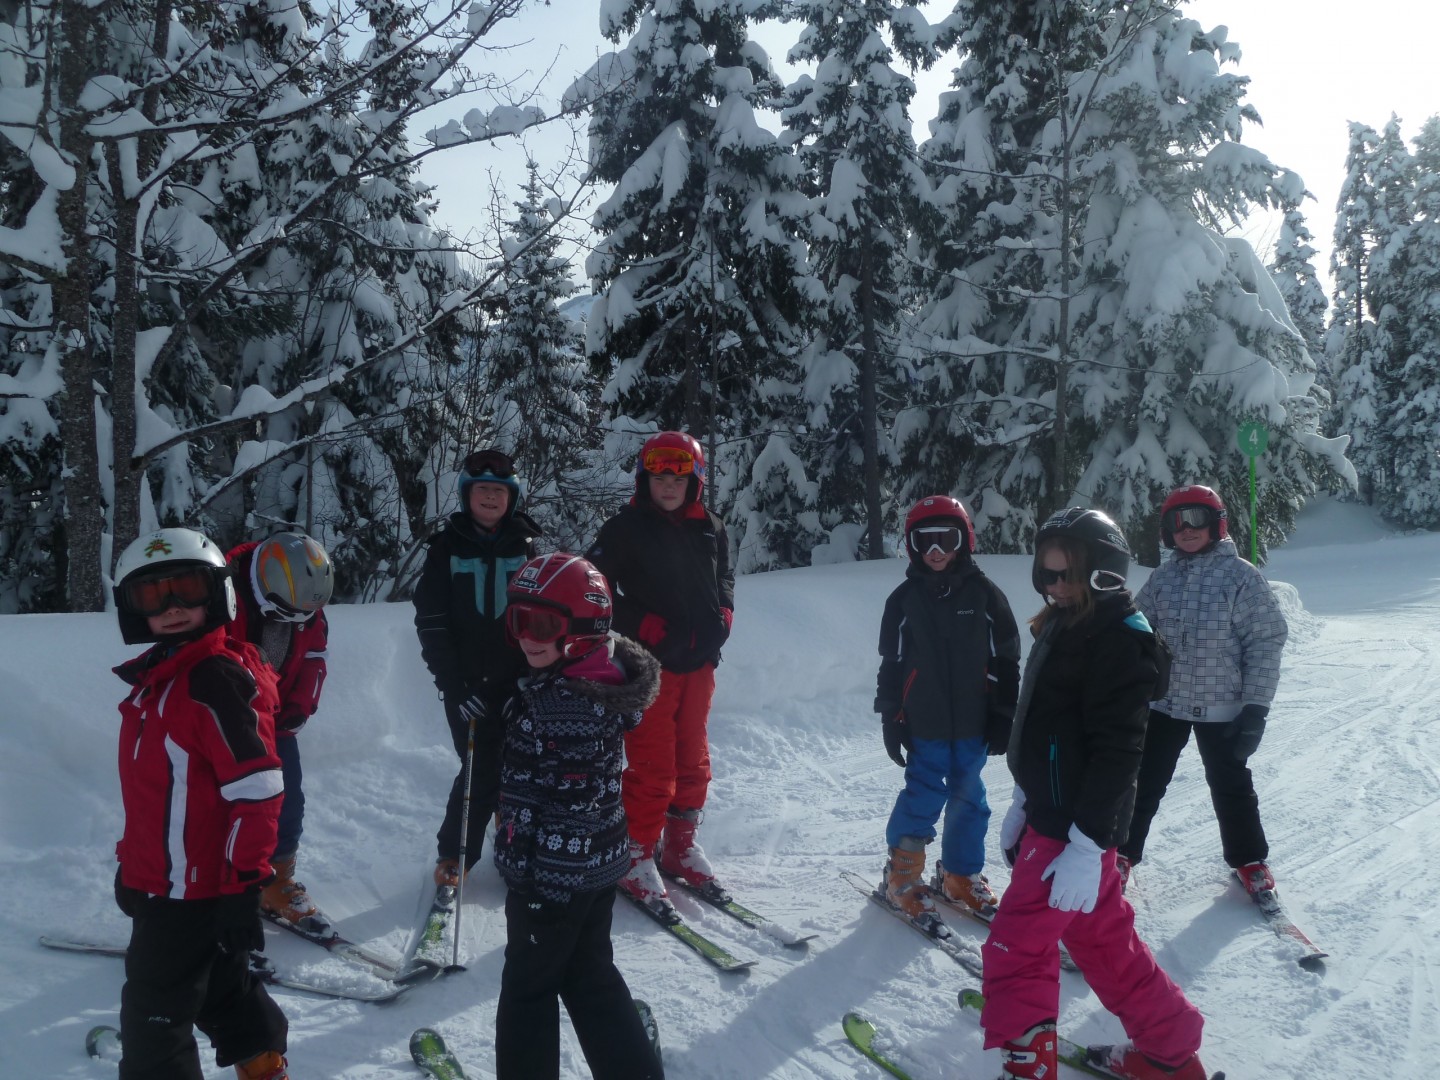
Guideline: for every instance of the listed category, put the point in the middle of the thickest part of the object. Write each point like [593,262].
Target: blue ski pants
[944,775]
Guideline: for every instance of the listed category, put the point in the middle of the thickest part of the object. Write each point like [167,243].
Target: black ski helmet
[1109,553]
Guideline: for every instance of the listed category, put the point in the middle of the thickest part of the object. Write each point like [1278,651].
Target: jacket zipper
[1054,771]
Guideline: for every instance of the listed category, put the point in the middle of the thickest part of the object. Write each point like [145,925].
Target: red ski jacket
[199,776]
[302,672]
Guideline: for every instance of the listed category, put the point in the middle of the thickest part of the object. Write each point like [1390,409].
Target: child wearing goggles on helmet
[460,619]
[669,560]
[1221,619]
[949,674]
[201,786]
[561,842]
[284,583]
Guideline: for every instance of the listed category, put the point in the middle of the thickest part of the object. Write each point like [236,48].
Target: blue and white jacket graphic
[1225,631]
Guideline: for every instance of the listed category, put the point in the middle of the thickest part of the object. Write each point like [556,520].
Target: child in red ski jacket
[201,786]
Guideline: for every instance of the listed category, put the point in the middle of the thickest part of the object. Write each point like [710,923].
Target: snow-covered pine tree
[700,272]
[1411,422]
[1293,269]
[1100,161]
[536,390]
[849,121]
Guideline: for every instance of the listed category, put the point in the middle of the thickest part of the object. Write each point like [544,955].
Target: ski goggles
[668,459]
[1189,517]
[489,463]
[1050,577]
[538,624]
[149,596]
[947,538]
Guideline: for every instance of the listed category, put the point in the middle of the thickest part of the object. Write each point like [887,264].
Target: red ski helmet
[561,598]
[674,452]
[937,511]
[1194,495]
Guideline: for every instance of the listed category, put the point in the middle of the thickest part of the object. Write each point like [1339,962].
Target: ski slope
[1349,778]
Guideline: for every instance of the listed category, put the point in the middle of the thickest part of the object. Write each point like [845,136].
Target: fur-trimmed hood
[636,693]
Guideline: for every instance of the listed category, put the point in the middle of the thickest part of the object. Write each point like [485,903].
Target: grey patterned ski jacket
[1224,628]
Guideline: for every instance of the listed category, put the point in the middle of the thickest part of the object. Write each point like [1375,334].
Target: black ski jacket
[1080,726]
[949,656]
[460,607]
[674,566]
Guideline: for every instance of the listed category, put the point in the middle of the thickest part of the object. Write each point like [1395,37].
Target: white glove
[1076,874]
[1014,823]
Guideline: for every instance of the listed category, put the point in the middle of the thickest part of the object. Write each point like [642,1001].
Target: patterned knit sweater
[562,825]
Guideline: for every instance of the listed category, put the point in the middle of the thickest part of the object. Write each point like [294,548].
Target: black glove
[997,734]
[291,721]
[896,733]
[1245,730]
[126,898]
[238,929]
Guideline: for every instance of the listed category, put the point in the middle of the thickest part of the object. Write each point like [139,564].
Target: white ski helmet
[167,554]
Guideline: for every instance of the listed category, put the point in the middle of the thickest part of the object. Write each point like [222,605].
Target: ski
[862,1034]
[667,917]
[721,900]
[652,1029]
[434,944]
[260,967]
[1086,1059]
[1066,960]
[319,929]
[103,1042]
[428,1050]
[929,925]
[1273,913]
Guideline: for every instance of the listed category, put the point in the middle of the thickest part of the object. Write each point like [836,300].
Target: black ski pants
[178,978]
[561,952]
[1232,789]
[484,783]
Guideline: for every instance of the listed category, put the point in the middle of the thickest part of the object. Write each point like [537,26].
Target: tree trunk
[73,342]
[870,407]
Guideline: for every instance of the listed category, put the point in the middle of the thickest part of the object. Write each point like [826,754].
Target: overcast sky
[1315,65]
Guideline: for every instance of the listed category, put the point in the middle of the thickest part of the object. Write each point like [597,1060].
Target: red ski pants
[1022,962]
[667,756]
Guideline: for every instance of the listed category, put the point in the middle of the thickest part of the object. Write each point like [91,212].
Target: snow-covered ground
[1349,777]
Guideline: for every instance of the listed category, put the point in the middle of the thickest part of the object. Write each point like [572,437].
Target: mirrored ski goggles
[947,538]
[156,595]
[671,459]
[489,463]
[1189,517]
[537,624]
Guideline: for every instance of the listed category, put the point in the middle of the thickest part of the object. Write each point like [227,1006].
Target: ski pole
[455,964]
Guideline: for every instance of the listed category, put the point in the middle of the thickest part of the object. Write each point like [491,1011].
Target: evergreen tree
[536,389]
[1097,338]
[1293,270]
[850,124]
[701,274]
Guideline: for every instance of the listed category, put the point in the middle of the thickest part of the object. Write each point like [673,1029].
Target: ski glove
[1075,874]
[1013,827]
[1246,729]
[472,710]
[237,922]
[291,720]
[896,733]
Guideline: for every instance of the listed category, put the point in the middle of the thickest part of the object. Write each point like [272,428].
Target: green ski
[428,1050]
[861,1033]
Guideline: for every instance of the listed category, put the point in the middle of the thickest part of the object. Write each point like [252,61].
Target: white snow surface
[1348,775]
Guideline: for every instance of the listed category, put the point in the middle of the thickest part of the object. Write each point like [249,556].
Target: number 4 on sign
[1253,438]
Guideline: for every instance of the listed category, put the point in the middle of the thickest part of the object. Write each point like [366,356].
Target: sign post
[1253,438]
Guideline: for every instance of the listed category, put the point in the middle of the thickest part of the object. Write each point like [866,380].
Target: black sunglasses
[489,463]
[1052,577]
